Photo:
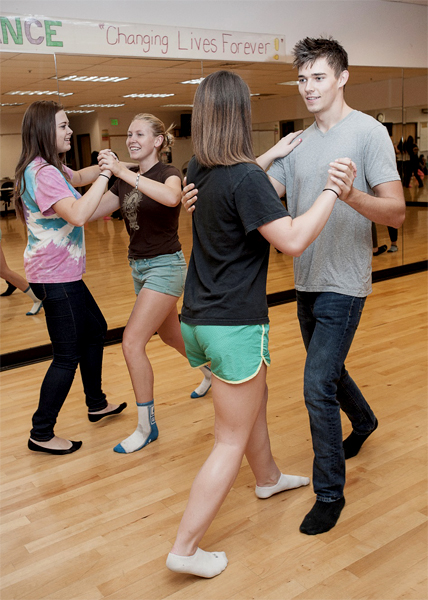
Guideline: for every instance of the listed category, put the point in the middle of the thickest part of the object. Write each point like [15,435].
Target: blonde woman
[149,196]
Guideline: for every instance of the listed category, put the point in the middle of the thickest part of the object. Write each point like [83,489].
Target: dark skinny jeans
[77,331]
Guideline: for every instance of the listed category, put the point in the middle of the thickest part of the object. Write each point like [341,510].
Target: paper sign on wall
[27,34]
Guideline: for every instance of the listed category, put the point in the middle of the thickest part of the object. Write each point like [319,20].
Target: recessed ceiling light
[177,105]
[69,112]
[288,83]
[91,78]
[194,81]
[147,95]
[37,93]
[100,105]
[13,104]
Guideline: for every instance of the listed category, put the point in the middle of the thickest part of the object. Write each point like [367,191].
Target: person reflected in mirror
[393,236]
[415,165]
[412,168]
[15,281]
[149,197]
[377,250]
[54,260]
[224,318]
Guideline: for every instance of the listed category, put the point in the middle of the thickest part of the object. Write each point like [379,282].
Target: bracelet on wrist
[137,180]
[331,190]
[104,175]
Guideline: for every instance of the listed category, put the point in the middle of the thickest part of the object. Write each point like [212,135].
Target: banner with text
[31,34]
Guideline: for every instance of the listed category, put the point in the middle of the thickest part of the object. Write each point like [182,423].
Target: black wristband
[330,190]
[104,175]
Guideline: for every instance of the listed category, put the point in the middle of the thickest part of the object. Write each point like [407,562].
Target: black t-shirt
[152,227]
[226,280]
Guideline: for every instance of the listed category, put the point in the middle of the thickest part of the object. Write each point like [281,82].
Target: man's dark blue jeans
[77,331]
[328,322]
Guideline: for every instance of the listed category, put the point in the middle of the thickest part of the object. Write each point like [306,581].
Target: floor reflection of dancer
[149,196]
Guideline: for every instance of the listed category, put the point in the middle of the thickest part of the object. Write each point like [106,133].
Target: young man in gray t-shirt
[333,276]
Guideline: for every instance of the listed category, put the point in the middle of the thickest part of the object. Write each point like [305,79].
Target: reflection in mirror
[117,98]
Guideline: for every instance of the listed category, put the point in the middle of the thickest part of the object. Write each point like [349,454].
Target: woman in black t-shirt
[149,197]
[224,315]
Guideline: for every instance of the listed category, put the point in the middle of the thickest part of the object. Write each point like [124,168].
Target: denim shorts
[236,353]
[165,273]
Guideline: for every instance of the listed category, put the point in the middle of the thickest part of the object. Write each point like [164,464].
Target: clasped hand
[341,175]
[108,161]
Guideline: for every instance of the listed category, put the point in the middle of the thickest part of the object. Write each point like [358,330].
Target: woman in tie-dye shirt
[54,263]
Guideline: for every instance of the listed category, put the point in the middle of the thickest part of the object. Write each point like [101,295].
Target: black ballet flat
[36,448]
[94,417]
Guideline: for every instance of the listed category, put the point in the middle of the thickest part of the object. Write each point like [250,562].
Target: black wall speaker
[185,125]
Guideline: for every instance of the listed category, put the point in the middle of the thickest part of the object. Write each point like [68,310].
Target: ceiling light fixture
[13,104]
[177,105]
[147,95]
[288,83]
[194,81]
[100,105]
[69,112]
[91,78]
[37,93]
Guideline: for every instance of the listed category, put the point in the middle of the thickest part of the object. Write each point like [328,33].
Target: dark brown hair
[38,134]
[221,121]
[310,49]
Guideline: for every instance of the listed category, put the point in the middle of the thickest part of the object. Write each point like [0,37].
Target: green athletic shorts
[236,353]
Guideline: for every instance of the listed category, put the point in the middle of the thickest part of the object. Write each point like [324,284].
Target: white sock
[203,564]
[36,302]
[285,482]
[145,433]
[203,387]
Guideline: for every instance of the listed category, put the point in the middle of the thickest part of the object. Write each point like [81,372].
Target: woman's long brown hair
[38,134]
[221,121]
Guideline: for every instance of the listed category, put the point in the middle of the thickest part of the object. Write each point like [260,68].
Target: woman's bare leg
[150,311]
[258,451]
[16,281]
[236,410]
[11,276]
[170,333]
[269,479]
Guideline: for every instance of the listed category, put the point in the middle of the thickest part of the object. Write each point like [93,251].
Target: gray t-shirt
[339,260]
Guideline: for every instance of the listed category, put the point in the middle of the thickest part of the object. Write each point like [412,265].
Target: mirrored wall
[105,125]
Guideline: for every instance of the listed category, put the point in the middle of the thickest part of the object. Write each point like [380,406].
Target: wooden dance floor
[97,525]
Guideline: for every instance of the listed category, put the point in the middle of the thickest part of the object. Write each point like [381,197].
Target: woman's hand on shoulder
[341,175]
[280,150]
[287,144]
[189,195]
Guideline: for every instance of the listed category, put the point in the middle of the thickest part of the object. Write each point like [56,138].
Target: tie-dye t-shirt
[55,252]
